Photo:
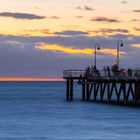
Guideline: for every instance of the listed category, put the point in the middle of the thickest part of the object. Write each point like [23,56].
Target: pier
[124,88]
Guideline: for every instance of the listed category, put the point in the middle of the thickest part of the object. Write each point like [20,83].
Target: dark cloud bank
[86,8]
[19,57]
[105,19]
[21,15]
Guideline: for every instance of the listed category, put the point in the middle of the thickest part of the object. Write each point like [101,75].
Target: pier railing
[134,74]
[73,73]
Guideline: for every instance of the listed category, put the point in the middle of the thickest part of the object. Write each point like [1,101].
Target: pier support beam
[71,89]
[87,91]
[108,92]
[102,90]
[124,91]
[67,90]
[130,91]
[137,92]
[83,90]
[96,90]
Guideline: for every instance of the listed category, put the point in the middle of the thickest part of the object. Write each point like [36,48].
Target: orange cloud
[66,49]
[111,51]
[86,51]
[136,45]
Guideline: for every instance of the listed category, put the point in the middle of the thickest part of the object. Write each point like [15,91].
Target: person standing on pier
[87,73]
[105,70]
[92,72]
[130,72]
[115,70]
[108,71]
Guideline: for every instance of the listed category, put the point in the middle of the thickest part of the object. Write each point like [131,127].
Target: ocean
[38,111]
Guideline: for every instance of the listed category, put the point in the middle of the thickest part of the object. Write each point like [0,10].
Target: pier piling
[83,90]
[67,90]
[71,89]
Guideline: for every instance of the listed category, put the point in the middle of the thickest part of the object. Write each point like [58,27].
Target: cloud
[105,19]
[136,29]
[136,11]
[68,50]
[110,31]
[79,17]
[124,2]
[110,52]
[136,45]
[87,8]
[44,31]
[21,15]
[78,41]
[135,20]
[47,56]
[71,33]
[53,17]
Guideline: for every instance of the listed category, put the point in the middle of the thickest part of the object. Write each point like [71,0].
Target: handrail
[76,73]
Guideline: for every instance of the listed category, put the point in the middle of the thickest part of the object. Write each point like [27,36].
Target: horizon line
[29,79]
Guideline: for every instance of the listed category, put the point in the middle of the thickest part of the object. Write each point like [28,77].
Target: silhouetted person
[115,70]
[80,78]
[105,70]
[92,72]
[95,68]
[98,73]
[108,71]
[130,72]
[87,73]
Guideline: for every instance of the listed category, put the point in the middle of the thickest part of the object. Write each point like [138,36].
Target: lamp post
[119,43]
[97,47]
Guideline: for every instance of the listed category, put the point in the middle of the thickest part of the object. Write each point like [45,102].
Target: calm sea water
[38,111]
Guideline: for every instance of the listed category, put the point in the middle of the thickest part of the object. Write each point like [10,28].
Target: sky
[41,38]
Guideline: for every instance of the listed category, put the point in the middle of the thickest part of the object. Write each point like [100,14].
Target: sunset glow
[41,38]
[77,51]
[136,45]
[29,79]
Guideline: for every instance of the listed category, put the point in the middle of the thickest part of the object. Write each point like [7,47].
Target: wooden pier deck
[126,86]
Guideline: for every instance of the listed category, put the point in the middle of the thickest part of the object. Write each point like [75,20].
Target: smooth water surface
[38,111]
